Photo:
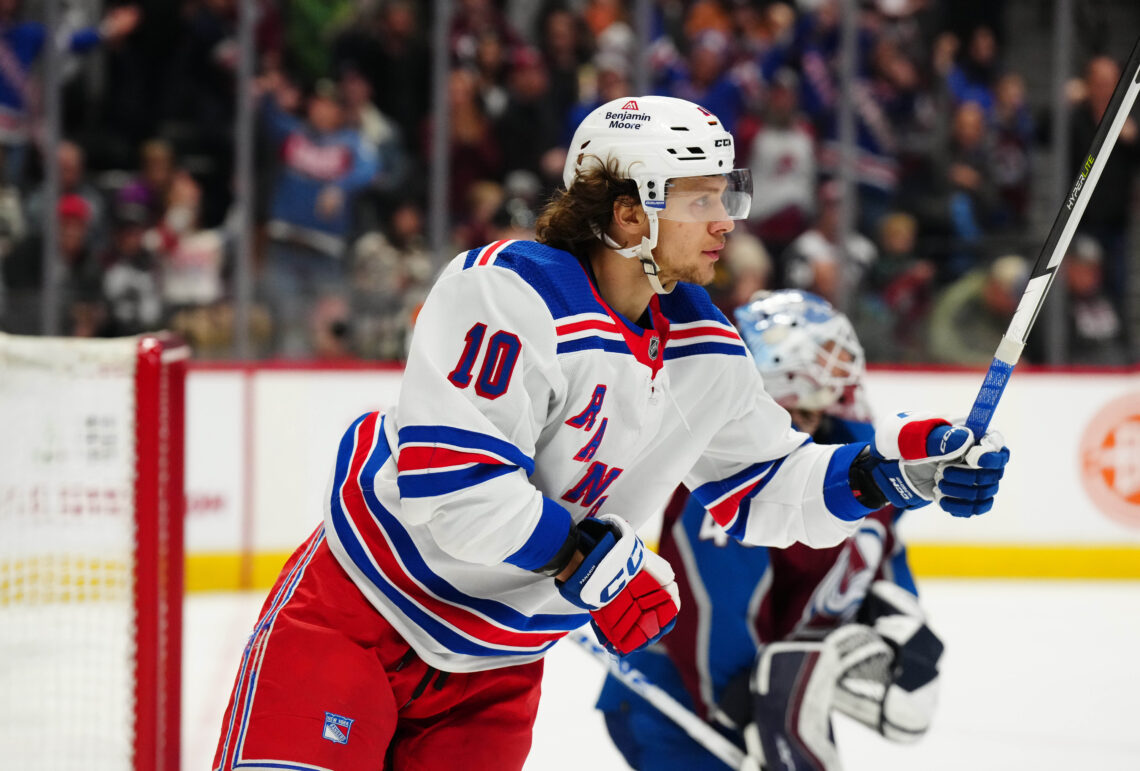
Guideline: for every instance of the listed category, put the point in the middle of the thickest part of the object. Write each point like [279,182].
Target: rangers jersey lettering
[528,404]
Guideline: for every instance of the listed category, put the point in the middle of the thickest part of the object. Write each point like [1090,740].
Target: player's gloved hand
[908,463]
[629,590]
[968,487]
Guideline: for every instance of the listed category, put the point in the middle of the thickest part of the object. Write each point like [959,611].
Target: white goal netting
[69,610]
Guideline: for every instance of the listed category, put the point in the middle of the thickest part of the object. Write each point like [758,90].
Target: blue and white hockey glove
[629,591]
[917,458]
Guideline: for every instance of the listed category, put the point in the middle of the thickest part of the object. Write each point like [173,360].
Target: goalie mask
[806,351]
[677,153]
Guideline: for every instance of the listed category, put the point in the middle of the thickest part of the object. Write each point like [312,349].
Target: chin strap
[642,252]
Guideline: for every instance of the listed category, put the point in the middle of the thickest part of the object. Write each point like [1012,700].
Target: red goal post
[91,552]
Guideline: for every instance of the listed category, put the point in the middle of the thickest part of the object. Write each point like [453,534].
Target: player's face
[688,247]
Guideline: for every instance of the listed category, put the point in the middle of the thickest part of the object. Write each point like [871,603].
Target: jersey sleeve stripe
[462,439]
[732,513]
[420,458]
[704,348]
[394,565]
[585,334]
[701,331]
[712,493]
[593,343]
[546,539]
[602,325]
[727,499]
[430,484]
[487,257]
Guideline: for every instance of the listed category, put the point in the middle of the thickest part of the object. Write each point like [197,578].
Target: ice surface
[1037,675]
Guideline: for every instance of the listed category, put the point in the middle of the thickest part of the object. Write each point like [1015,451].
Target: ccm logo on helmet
[722,142]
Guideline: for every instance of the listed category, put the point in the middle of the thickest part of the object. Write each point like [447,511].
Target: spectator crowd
[942,195]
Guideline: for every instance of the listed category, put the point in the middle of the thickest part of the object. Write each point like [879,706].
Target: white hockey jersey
[528,404]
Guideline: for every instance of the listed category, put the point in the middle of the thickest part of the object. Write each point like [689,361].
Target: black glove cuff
[561,557]
[863,483]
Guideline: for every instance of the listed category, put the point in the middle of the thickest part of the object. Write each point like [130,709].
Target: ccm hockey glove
[917,458]
[629,590]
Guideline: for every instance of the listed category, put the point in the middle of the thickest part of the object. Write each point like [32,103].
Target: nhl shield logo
[336,728]
[630,105]
[654,345]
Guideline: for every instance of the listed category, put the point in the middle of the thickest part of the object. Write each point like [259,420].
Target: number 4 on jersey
[498,364]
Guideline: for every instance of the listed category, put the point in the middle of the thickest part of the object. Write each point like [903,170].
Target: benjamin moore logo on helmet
[622,119]
[1110,459]
[630,105]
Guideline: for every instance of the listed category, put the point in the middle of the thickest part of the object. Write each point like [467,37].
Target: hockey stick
[1053,250]
[700,731]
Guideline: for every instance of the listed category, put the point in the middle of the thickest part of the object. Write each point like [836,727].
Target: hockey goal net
[91,510]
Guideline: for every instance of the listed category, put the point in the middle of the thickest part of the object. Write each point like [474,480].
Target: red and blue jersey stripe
[729,499]
[437,460]
[380,547]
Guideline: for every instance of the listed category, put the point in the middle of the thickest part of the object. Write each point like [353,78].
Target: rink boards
[260,440]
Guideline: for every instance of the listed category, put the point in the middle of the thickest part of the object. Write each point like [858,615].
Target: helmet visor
[708,199]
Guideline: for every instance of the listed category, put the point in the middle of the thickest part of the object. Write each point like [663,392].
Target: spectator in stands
[484,199]
[20,45]
[72,165]
[192,258]
[391,273]
[609,81]
[565,49]
[194,262]
[387,46]
[1094,329]
[82,311]
[971,315]
[819,263]
[132,274]
[896,297]
[973,78]
[200,97]
[331,329]
[376,128]
[781,155]
[491,64]
[474,20]
[600,15]
[963,199]
[474,151]
[323,165]
[156,174]
[877,167]
[706,76]
[529,129]
[891,124]
[309,29]
[1107,215]
[1012,129]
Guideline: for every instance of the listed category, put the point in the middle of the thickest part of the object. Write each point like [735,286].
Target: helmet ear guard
[655,140]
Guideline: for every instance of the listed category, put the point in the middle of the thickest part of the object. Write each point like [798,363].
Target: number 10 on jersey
[502,353]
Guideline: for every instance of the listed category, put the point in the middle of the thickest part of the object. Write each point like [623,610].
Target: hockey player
[838,628]
[556,393]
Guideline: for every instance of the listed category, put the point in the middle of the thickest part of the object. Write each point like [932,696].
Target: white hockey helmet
[656,140]
[806,351]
